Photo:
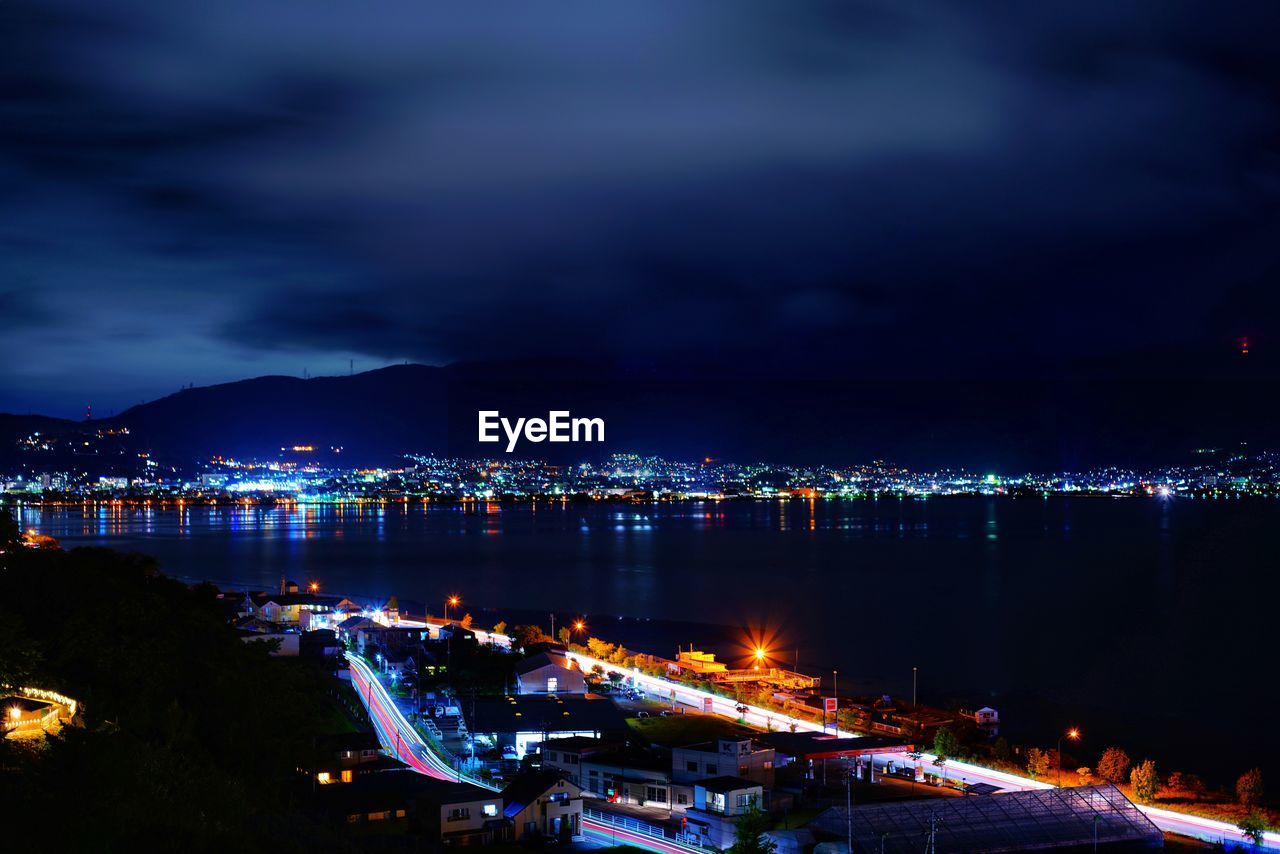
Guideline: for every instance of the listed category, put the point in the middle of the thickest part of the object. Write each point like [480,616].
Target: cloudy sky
[200,192]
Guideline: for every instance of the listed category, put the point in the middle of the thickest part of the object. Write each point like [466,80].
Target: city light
[579,626]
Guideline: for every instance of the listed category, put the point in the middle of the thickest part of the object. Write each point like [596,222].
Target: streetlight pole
[915,672]
[1072,734]
[835,692]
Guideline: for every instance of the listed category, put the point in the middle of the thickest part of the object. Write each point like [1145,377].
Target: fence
[635,825]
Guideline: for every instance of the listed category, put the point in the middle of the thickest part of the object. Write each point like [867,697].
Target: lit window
[323,777]
[552,684]
[347,775]
[490,810]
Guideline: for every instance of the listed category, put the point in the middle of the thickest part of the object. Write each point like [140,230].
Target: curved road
[403,741]
[414,751]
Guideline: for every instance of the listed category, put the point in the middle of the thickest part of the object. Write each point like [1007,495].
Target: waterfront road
[1205,829]
[1170,821]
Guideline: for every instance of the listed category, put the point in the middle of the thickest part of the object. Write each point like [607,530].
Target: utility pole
[915,672]
[553,625]
[848,801]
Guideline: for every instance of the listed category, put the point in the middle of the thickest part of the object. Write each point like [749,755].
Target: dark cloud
[247,189]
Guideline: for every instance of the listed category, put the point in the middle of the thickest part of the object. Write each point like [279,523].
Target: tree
[945,744]
[10,532]
[1114,765]
[524,636]
[1249,790]
[500,627]
[1039,762]
[1190,784]
[1085,775]
[1253,826]
[564,635]
[466,621]
[1145,781]
[748,836]
[1001,749]
[599,649]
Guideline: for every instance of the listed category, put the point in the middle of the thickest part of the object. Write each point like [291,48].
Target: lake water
[1147,623]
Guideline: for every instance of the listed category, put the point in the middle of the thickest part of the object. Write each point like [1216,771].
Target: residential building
[742,757]
[718,803]
[549,673]
[543,804]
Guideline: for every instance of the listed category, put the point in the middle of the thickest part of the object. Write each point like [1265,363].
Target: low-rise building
[741,757]
[718,803]
[522,722]
[543,804]
[549,673]
[444,812]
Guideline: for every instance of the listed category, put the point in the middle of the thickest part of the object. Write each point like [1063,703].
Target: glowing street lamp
[579,626]
[1074,735]
[314,586]
[15,713]
[452,600]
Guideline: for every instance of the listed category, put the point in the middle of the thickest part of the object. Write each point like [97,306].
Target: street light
[1074,735]
[452,600]
[579,626]
[314,586]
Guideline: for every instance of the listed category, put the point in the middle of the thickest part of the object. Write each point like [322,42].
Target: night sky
[201,192]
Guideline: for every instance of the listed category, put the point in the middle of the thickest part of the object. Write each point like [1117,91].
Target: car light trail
[1196,827]
[388,720]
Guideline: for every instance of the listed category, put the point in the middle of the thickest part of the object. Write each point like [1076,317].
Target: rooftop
[727,783]
[806,744]
[1015,821]
[545,713]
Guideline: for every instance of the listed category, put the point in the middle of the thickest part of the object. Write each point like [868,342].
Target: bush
[945,744]
[1249,789]
[1114,765]
[1253,826]
[1145,781]
[1039,762]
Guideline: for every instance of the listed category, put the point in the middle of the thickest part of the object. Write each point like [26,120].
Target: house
[566,755]
[987,719]
[342,758]
[522,722]
[549,673]
[543,804]
[320,643]
[462,814]
[743,757]
[627,776]
[289,608]
[445,812]
[717,805]
[387,639]
[250,629]
[696,661]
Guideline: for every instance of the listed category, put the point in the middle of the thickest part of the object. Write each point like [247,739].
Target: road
[1169,821]
[403,741]
[1206,829]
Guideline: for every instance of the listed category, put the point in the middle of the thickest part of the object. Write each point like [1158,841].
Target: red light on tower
[1244,346]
